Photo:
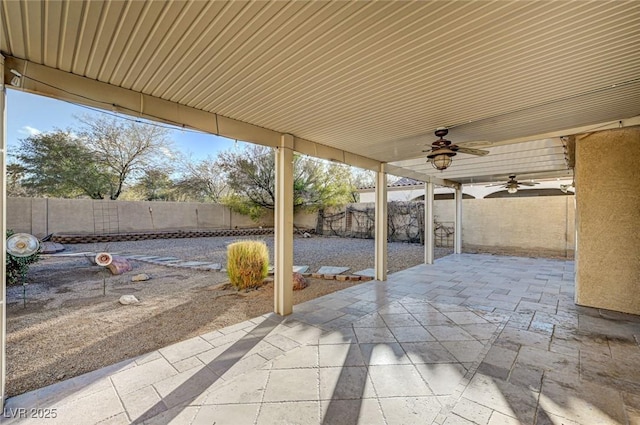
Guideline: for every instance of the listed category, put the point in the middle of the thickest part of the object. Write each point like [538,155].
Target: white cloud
[29,131]
[167,152]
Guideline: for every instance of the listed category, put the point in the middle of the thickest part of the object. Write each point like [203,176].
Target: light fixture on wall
[442,151]
[16,79]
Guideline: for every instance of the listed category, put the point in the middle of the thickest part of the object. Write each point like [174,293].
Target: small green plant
[17,267]
[247,264]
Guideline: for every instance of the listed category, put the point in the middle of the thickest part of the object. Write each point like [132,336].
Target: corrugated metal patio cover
[372,78]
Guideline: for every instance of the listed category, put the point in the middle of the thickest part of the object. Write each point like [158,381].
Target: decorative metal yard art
[104,259]
[23,245]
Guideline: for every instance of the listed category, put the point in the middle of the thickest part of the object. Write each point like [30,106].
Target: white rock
[128,299]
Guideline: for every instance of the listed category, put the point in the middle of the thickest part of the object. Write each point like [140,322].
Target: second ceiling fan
[512,185]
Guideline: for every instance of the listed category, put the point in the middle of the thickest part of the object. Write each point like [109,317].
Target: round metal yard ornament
[23,245]
[104,259]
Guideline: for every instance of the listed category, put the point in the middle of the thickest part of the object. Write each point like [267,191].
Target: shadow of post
[200,382]
[349,388]
[352,380]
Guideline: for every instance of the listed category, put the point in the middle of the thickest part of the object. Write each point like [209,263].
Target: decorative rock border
[338,277]
[139,236]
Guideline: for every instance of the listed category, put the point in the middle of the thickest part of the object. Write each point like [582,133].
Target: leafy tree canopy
[251,177]
[58,164]
[155,184]
[124,148]
[96,160]
[202,181]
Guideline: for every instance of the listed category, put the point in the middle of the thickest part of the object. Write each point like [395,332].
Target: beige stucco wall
[542,225]
[538,225]
[608,220]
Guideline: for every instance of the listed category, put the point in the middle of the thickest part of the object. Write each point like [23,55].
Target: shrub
[17,267]
[247,263]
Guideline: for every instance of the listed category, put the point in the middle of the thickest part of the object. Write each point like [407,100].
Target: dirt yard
[69,327]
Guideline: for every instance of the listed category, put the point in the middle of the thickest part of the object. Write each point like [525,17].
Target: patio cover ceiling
[372,79]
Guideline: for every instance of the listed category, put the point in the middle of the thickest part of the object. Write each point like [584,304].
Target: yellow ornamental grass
[247,263]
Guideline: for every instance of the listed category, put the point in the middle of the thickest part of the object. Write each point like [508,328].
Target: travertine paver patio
[473,339]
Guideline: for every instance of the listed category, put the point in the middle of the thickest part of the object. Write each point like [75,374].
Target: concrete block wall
[540,225]
[41,216]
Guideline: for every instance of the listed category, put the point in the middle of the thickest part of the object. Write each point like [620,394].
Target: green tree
[155,184]
[15,176]
[251,178]
[57,164]
[360,179]
[97,160]
[125,149]
[202,181]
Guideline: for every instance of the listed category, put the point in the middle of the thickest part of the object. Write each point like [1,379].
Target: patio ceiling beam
[52,82]
[608,125]
[416,175]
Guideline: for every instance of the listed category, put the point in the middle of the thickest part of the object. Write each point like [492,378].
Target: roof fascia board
[52,82]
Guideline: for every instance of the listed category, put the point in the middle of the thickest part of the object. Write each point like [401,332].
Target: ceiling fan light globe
[512,189]
[441,161]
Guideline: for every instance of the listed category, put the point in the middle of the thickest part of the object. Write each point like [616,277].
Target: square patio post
[3,227]
[457,245]
[381,224]
[428,223]
[283,232]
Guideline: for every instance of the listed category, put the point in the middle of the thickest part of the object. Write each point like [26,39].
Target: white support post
[428,223]
[458,222]
[283,232]
[3,227]
[381,225]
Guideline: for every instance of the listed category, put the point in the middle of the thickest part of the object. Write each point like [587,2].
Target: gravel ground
[69,327]
[357,254]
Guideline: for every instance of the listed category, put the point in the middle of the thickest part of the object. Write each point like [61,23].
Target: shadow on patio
[472,339]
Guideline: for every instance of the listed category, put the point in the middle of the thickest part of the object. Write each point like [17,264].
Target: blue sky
[29,114]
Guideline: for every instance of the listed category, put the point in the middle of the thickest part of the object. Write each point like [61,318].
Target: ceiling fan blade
[470,151]
[496,184]
[527,184]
